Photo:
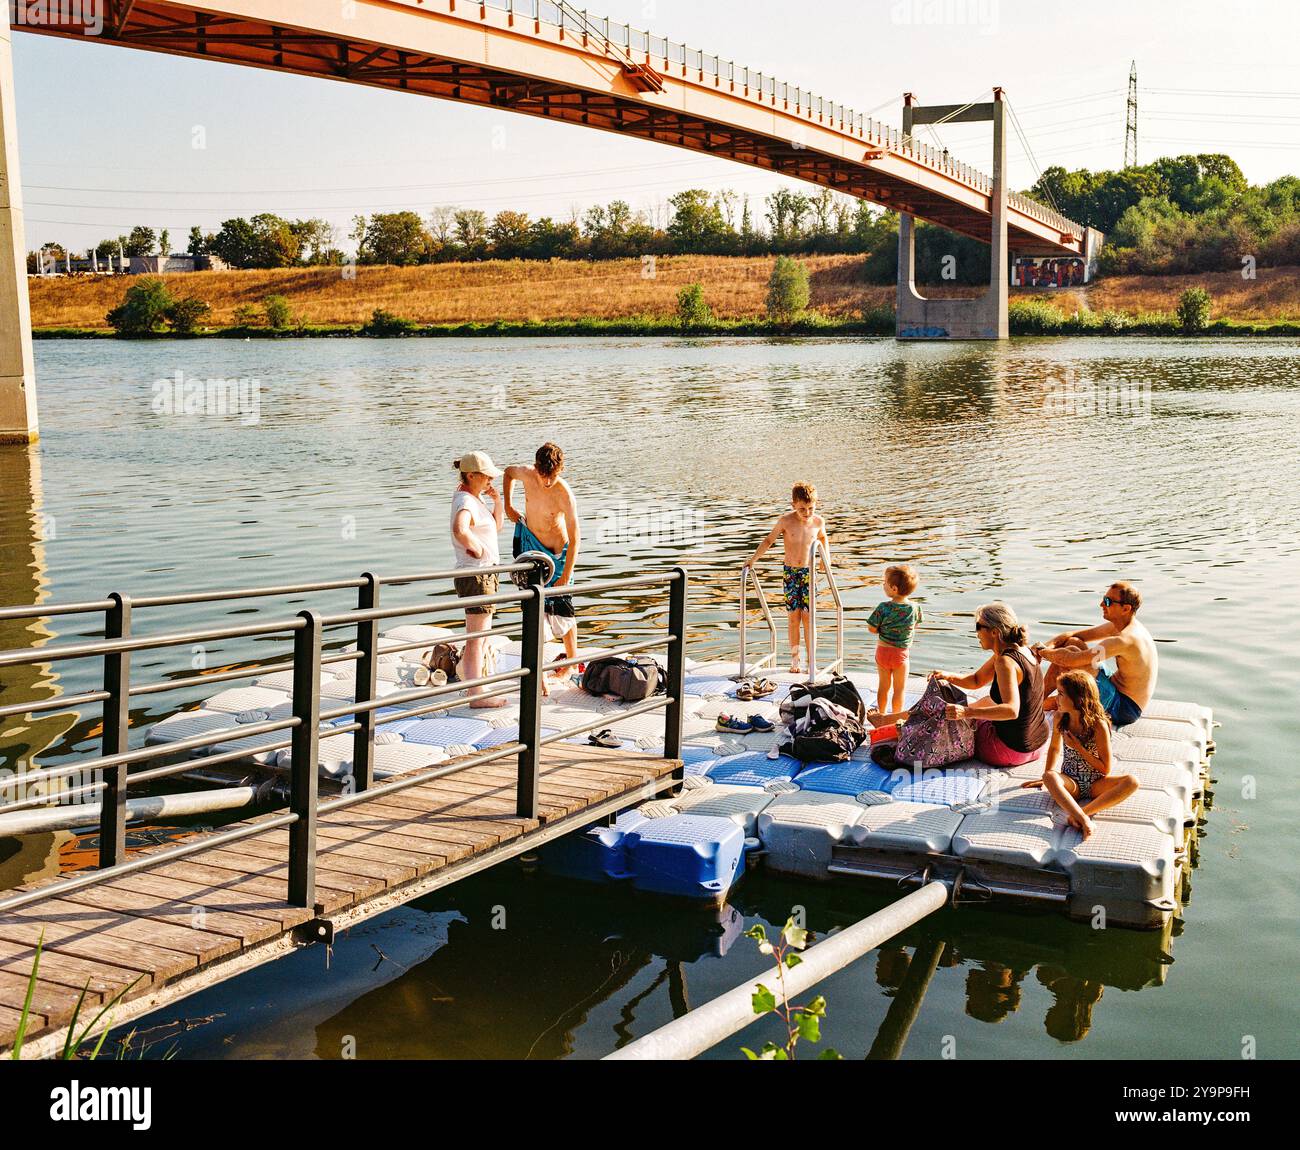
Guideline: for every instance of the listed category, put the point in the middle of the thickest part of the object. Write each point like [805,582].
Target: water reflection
[24,581]
[562,969]
[514,966]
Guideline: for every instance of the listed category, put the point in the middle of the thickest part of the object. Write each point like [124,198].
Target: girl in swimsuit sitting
[1077,774]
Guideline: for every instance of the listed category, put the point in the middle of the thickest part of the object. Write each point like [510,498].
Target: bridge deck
[184,925]
[564,66]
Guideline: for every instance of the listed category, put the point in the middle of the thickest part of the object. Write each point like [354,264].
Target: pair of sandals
[422,676]
[744,725]
[750,689]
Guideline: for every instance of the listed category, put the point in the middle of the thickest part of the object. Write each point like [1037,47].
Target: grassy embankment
[615,298]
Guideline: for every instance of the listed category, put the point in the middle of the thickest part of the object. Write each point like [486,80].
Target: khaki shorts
[470,585]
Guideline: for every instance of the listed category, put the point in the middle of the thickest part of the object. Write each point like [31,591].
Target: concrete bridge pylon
[17,367]
[984,317]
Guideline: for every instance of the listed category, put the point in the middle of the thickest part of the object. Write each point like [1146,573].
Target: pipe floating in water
[707,1025]
[154,808]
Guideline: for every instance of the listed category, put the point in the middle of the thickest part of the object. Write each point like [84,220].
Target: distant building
[158,265]
[174,264]
[134,265]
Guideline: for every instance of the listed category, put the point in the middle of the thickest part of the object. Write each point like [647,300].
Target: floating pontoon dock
[410,789]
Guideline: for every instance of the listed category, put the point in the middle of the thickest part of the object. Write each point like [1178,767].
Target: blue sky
[106,133]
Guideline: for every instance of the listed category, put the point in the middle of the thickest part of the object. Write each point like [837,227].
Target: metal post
[676,669]
[532,656]
[744,610]
[116,724]
[363,742]
[303,780]
[812,610]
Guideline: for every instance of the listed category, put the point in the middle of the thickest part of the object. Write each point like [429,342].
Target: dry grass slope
[734,287]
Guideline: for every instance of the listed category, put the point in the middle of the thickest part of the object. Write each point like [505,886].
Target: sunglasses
[980,627]
[1107,601]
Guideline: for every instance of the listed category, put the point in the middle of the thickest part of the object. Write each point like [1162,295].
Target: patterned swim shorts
[797,584]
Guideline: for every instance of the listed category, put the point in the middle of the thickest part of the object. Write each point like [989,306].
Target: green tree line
[1179,214]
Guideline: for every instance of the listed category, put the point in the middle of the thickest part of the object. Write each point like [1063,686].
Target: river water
[1038,472]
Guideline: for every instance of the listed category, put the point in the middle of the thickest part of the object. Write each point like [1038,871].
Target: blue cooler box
[689,856]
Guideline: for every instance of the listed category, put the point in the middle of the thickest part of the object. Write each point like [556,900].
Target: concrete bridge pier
[17,367]
[984,317]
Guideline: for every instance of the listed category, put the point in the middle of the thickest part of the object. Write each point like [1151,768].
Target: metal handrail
[302,731]
[643,47]
[748,575]
[40,610]
[813,552]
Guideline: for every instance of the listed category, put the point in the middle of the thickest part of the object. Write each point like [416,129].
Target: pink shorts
[889,658]
[993,752]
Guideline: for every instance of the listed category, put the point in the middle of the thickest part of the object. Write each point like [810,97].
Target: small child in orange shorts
[894,622]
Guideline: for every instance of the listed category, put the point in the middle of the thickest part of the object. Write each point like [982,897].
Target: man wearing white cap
[474,530]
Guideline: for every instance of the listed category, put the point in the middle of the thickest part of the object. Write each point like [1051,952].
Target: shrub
[278,313]
[692,311]
[787,290]
[246,315]
[1113,322]
[1034,317]
[1194,309]
[880,319]
[143,309]
[185,314]
[384,323]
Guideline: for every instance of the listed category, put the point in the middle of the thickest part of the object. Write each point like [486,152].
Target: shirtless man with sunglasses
[1121,637]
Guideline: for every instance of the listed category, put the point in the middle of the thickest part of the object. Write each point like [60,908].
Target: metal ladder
[838,665]
[748,576]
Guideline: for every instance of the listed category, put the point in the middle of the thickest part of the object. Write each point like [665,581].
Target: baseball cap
[473,461]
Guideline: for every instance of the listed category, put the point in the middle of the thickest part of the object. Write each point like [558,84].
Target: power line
[1220,94]
[1090,98]
[366,187]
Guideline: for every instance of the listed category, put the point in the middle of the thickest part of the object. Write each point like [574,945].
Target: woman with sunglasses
[1010,729]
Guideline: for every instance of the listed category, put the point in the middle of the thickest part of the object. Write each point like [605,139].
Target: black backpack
[837,690]
[828,734]
[634,679]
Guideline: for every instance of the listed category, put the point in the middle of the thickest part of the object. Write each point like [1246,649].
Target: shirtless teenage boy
[549,523]
[1122,638]
[798,527]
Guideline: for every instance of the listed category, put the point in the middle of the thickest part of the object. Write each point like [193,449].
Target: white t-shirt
[482,527]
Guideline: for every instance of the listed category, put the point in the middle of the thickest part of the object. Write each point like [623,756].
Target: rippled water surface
[1036,472]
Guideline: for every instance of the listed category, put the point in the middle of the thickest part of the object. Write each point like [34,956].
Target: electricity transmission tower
[1131,123]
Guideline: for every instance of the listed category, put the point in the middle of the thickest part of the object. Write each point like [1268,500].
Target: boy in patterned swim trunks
[798,527]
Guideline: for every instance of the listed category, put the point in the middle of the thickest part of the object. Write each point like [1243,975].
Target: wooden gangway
[186,925]
[151,925]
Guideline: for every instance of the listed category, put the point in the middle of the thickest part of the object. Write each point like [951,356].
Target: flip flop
[734,725]
[605,738]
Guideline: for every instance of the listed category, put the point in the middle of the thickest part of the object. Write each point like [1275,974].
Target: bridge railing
[299,731]
[636,46]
